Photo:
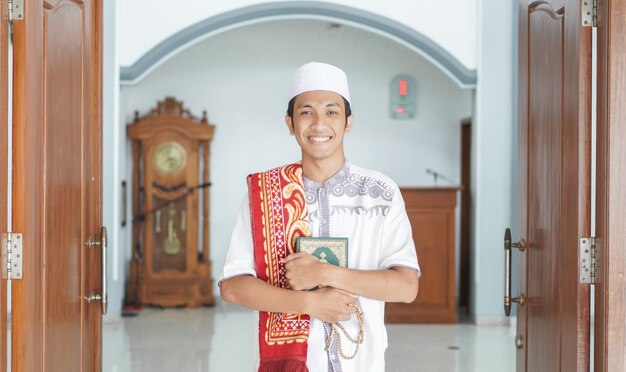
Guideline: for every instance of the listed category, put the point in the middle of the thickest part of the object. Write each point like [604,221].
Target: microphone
[437,175]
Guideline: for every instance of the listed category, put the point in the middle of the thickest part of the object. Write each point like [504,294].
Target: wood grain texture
[575,297]
[28,127]
[92,180]
[555,135]
[610,330]
[4,126]
[544,189]
[63,189]
[431,212]
[57,186]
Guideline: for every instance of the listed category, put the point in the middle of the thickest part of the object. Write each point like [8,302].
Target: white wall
[242,77]
[112,163]
[493,156]
[449,23]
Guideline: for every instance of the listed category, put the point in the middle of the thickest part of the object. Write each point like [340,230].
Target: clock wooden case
[171,264]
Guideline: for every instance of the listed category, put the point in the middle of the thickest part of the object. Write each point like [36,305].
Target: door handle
[521,245]
[103,242]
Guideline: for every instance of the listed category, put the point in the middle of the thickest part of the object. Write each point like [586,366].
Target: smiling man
[315,316]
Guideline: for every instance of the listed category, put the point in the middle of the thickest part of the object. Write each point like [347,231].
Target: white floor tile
[221,338]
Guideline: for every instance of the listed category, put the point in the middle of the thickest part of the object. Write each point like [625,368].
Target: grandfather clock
[170,264]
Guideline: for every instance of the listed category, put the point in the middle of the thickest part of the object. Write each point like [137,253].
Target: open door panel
[554,189]
[56,186]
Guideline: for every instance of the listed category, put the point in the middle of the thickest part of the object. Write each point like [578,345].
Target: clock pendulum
[171,245]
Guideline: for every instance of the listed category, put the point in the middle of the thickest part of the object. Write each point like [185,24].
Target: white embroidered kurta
[366,207]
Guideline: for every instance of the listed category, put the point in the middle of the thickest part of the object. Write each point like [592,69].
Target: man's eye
[332,113]
[306,113]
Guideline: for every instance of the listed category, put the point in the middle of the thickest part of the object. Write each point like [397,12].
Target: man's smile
[319,139]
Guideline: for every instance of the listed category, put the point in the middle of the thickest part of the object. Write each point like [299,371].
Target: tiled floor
[219,339]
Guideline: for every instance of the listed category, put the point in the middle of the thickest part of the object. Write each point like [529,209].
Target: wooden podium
[432,215]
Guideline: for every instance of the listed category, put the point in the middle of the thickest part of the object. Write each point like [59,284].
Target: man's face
[319,124]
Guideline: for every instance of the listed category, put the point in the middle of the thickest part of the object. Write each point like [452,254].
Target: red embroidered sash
[279,216]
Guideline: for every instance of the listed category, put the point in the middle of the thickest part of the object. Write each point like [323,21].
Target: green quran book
[331,250]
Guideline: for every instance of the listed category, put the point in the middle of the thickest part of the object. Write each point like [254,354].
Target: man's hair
[293,101]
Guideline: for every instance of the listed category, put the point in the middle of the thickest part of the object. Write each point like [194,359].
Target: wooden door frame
[4,131]
[92,359]
[610,331]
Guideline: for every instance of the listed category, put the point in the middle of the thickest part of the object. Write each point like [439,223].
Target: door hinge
[16,10]
[587,264]
[589,13]
[11,256]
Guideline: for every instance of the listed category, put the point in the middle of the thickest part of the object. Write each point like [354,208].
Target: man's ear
[289,122]
[348,123]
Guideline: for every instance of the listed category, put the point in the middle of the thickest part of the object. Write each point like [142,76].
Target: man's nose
[318,122]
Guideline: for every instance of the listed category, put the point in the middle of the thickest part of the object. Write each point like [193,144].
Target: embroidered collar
[339,178]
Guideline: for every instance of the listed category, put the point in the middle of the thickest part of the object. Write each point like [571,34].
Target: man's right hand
[327,304]
[331,305]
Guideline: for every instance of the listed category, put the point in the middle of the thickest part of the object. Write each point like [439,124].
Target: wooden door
[554,164]
[57,186]
[4,114]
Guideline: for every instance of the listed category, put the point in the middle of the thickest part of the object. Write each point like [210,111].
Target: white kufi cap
[320,76]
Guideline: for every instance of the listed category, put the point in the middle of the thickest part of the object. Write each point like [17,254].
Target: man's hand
[395,284]
[331,305]
[327,304]
[303,271]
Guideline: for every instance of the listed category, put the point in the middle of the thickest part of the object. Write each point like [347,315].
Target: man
[263,272]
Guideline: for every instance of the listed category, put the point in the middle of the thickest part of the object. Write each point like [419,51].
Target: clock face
[170,158]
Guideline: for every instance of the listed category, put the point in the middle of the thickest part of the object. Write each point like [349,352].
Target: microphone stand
[437,175]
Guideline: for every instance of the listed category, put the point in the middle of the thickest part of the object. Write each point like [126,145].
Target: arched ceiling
[389,28]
